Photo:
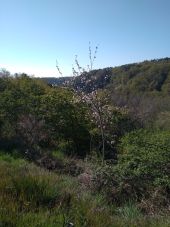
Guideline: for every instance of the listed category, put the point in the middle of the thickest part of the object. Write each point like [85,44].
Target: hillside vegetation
[143,88]
[145,77]
[93,150]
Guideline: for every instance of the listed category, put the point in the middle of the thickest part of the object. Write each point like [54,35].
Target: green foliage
[54,126]
[141,173]
[148,77]
[143,163]
[162,121]
[143,88]
[66,119]
[18,99]
[35,117]
[58,154]
[66,147]
[145,156]
[142,77]
[130,211]
[15,161]
[31,196]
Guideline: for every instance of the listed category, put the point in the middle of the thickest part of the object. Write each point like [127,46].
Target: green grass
[130,211]
[59,155]
[34,197]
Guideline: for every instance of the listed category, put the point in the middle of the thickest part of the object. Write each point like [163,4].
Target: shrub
[143,164]
[146,153]
[141,173]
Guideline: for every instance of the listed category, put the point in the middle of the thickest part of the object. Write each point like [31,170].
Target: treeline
[143,88]
[146,77]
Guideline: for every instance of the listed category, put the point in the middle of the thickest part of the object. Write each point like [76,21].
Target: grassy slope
[31,196]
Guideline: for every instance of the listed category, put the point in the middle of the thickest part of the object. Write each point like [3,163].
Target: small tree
[97,104]
[4,73]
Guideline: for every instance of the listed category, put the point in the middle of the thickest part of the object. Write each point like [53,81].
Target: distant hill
[87,81]
[148,76]
[56,81]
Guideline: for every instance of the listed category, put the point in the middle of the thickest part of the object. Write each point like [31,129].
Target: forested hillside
[144,88]
[147,76]
[93,150]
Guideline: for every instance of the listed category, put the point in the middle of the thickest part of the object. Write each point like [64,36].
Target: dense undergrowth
[32,196]
[73,157]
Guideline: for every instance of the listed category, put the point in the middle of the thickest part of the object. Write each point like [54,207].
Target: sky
[34,33]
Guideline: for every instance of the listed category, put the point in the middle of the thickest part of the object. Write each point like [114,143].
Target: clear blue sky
[34,33]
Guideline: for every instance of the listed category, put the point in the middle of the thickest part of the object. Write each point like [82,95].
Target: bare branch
[58,68]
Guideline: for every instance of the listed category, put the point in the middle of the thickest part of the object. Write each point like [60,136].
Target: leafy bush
[143,164]
[35,118]
[141,172]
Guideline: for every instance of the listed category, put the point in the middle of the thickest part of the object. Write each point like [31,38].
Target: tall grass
[34,197]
